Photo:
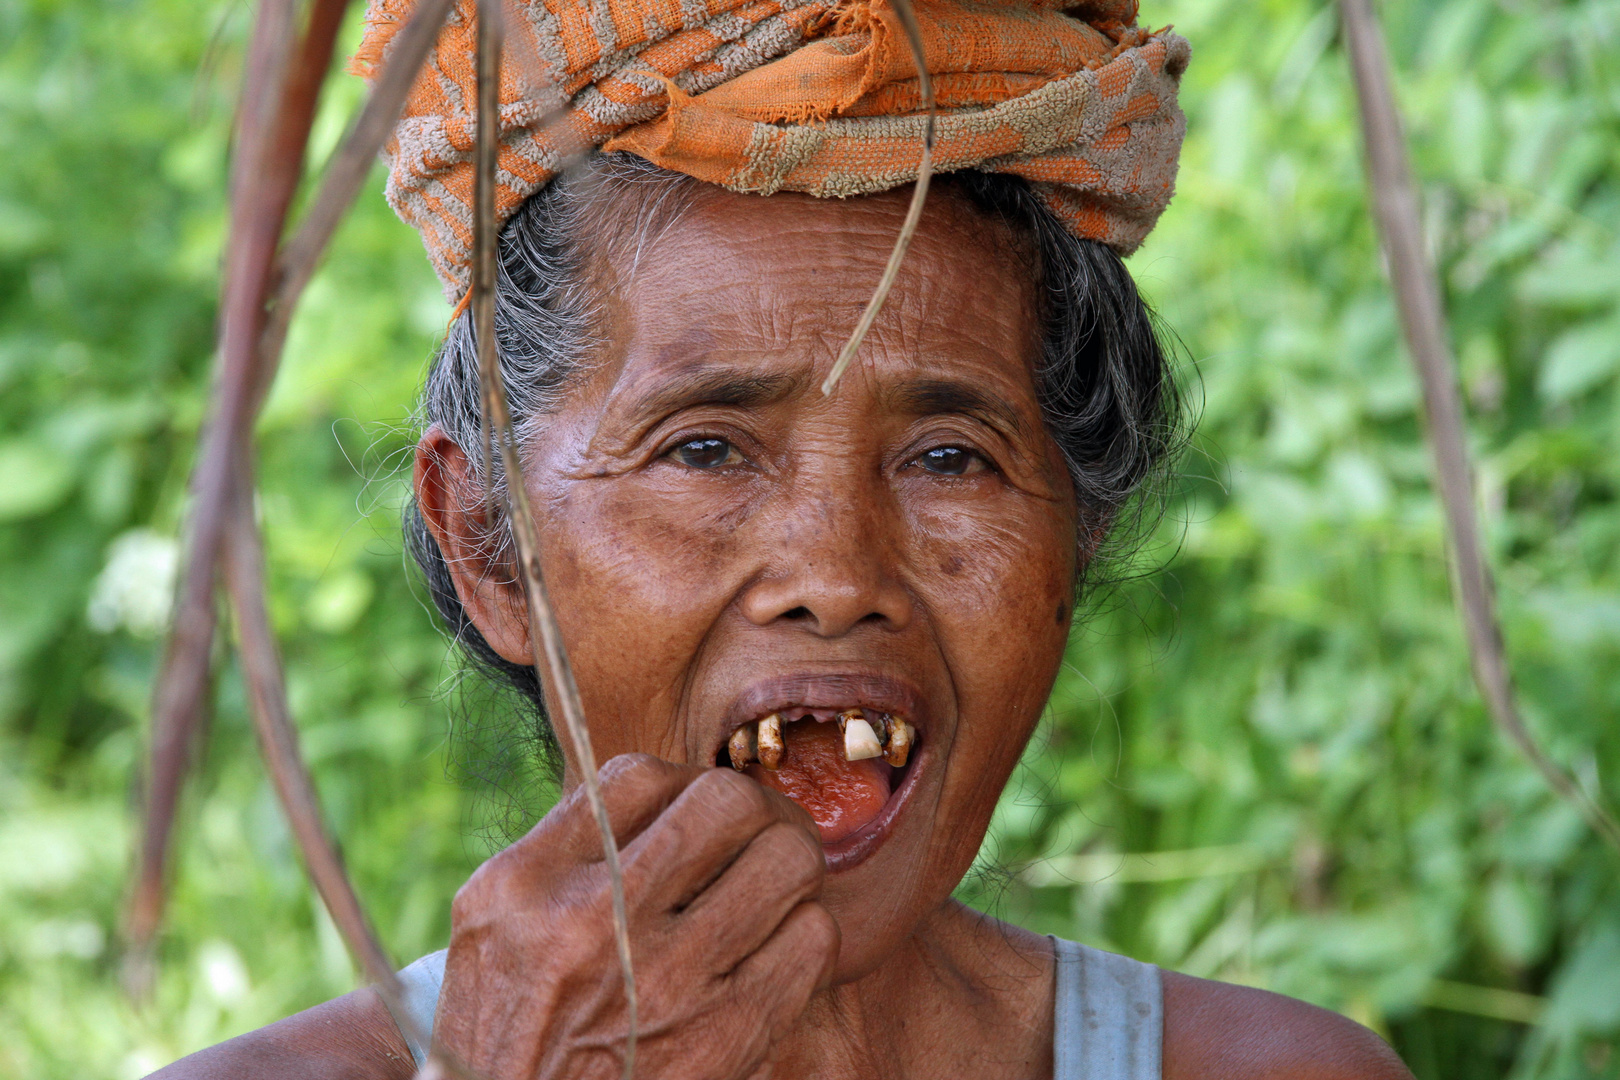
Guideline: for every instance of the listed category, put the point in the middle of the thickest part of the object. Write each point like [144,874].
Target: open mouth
[841,765]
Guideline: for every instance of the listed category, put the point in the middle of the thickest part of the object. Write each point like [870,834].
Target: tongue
[840,795]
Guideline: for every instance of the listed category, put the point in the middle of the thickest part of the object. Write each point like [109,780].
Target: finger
[636,788]
[707,826]
[781,868]
[780,977]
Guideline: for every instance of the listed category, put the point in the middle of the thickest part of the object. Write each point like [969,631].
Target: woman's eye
[951,461]
[706,453]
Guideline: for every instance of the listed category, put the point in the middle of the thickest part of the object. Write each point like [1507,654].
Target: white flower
[135,590]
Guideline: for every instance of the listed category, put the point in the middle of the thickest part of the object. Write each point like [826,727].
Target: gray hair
[1107,391]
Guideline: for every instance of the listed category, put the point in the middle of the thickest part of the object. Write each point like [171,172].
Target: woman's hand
[727,936]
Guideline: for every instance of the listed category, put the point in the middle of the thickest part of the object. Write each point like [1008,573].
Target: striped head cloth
[815,96]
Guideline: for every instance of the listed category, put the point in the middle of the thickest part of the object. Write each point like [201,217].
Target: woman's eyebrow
[715,386]
[924,397]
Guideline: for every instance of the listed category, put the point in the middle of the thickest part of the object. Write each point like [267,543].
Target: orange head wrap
[817,96]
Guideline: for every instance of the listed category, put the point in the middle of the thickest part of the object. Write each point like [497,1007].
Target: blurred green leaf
[33,478]
[1580,359]
[1587,995]
[1517,919]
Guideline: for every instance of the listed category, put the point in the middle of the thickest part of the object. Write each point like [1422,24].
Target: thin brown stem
[919,195]
[545,635]
[302,95]
[179,694]
[491,40]
[274,125]
[350,165]
[275,32]
[278,740]
[244,548]
[1417,295]
[278,744]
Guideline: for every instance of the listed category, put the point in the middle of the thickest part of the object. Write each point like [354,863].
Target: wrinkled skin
[914,534]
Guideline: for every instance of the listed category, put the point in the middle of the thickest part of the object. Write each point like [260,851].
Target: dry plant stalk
[486,237]
[261,189]
[347,171]
[545,635]
[268,169]
[1423,320]
[919,195]
[278,743]
[278,739]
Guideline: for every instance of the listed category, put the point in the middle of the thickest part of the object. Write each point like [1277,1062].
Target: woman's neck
[965,995]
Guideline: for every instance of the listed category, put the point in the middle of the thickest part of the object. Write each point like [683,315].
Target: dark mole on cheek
[952,565]
[1063,613]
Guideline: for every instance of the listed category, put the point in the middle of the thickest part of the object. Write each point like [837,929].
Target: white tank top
[1108,1021]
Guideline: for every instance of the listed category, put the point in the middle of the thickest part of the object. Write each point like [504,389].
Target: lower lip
[862,844]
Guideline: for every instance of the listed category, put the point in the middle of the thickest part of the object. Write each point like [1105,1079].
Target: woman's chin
[873,923]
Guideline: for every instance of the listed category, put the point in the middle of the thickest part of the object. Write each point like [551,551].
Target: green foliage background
[1265,761]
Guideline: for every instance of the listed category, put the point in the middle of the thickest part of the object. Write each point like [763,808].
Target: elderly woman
[812,632]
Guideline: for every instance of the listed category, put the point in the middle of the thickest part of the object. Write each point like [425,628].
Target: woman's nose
[832,565]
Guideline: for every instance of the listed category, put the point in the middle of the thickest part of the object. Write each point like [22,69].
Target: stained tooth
[860,741]
[883,725]
[769,742]
[900,735]
[847,715]
[741,747]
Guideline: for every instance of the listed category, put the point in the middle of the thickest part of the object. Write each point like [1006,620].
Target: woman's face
[722,541]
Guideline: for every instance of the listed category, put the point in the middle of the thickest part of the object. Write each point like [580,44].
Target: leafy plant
[1283,712]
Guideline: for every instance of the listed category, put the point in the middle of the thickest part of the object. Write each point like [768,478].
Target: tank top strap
[1108,1021]
[419,999]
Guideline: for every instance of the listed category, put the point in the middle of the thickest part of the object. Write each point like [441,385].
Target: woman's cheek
[665,558]
[995,569]
[999,600]
[636,588]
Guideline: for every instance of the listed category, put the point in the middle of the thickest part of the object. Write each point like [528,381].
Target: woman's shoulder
[349,1038]
[1219,1031]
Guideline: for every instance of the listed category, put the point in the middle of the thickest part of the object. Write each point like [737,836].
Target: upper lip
[827,690]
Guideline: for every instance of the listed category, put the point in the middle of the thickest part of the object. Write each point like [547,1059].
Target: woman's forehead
[753,297]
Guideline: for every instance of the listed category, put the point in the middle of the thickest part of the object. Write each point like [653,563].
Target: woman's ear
[452,504]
